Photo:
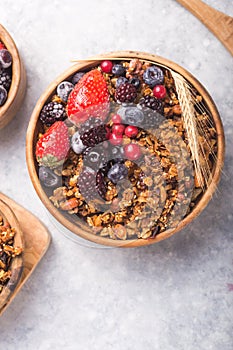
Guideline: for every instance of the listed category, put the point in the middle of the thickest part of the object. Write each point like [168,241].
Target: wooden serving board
[219,23]
[36,242]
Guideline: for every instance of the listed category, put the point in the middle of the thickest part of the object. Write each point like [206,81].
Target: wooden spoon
[219,23]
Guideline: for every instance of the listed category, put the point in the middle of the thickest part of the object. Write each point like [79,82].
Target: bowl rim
[17,263]
[30,144]
[8,41]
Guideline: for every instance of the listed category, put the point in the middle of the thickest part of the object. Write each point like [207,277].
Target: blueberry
[77,77]
[47,177]
[131,115]
[121,80]
[118,69]
[64,89]
[117,172]
[3,95]
[77,144]
[136,82]
[153,76]
[5,58]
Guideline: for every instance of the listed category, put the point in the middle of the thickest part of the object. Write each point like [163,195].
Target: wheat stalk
[191,124]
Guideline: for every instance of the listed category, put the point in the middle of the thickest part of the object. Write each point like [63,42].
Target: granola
[122,165]
[7,251]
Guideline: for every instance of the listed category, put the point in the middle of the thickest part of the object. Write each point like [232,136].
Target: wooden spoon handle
[219,23]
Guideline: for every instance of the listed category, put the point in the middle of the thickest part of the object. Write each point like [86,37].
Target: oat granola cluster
[114,155]
[7,251]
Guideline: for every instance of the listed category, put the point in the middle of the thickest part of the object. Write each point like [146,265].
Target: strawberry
[89,98]
[2,46]
[53,146]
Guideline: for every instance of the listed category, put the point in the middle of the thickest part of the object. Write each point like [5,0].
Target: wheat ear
[189,117]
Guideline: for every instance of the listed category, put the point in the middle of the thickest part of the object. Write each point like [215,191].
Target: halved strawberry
[89,98]
[53,146]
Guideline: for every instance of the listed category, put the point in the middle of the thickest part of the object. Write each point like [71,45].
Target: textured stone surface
[175,295]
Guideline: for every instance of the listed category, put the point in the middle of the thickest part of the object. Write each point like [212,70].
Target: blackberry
[94,157]
[126,92]
[3,95]
[52,112]
[94,136]
[87,184]
[120,81]
[151,102]
[89,124]
[5,79]
[101,183]
[152,119]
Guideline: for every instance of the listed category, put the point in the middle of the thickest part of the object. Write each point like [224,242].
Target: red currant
[116,119]
[118,129]
[159,91]
[115,139]
[131,131]
[106,66]
[132,151]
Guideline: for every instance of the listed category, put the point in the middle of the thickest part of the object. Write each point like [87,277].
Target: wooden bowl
[34,128]
[18,84]
[16,266]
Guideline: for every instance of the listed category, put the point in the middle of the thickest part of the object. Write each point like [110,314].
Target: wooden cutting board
[36,242]
[219,23]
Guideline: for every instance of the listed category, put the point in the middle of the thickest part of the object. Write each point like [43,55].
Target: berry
[115,140]
[118,129]
[53,146]
[159,91]
[64,89]
[117,172]
[106,66]
[89,97]
[89,124]
[126,92]
[152,119]
[101,184]
[2,46]
[3,95]
[116,119]
[121,80]
[131,131]
[5,58]
[48,178]
[87,184]
[94,157]
[77,77]
[118,69]
[132,151]
[5,79]
[94,136]
[153,76]
[117,153]
[52,112]
[151,102]
[77,144]
[136,82]
[131,115]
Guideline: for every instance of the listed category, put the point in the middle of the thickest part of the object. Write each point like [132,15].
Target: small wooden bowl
[17,262]
[18,84]
[34,129]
